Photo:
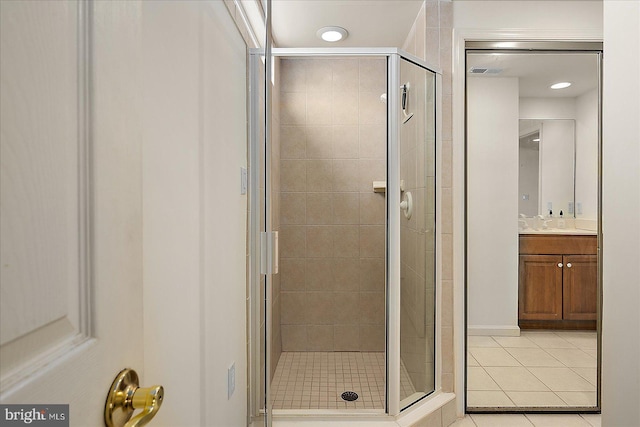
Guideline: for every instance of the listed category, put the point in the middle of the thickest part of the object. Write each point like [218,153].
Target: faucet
[545,223]
[539,222]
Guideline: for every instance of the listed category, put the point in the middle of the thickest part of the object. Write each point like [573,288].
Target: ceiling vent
[483,70]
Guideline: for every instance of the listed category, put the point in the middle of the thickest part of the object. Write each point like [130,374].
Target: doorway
[533,233]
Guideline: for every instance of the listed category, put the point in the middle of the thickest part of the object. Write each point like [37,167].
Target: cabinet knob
[560,264]
[568,265]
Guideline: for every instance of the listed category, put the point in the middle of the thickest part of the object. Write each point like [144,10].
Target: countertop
[560,231]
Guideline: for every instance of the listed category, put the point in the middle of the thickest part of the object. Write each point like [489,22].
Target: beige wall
[332,240]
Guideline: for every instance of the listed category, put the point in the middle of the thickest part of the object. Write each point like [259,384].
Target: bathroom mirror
[532,287]
[546,175]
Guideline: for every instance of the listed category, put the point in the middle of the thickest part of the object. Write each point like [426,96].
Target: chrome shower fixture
[405,88]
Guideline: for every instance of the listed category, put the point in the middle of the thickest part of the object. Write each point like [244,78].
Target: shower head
[407,117]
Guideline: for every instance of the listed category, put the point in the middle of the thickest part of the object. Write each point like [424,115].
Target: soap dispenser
[561,221]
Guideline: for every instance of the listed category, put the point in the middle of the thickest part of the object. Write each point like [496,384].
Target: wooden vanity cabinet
[558,282]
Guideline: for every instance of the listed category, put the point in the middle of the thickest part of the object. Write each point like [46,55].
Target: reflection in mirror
[547,164]
[532,288]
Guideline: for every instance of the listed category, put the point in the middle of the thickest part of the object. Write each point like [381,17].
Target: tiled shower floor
[315,380]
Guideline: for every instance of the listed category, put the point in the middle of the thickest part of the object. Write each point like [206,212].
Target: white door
[71,244]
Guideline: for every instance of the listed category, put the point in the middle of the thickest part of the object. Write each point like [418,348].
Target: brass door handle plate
[125,396]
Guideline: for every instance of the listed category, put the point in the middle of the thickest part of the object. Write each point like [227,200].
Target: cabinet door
[580,287]
[540,287]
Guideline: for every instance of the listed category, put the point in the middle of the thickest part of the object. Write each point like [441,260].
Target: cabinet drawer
[553,245]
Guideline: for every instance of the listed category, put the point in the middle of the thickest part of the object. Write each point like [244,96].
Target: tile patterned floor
[315,380]
[529,420]
[538,368]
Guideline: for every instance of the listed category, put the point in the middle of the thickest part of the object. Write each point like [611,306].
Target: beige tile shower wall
[332,240]
[444,33]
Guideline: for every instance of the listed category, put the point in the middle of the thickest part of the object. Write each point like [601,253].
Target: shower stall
[343,232]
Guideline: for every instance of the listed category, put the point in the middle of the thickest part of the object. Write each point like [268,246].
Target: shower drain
[349,396]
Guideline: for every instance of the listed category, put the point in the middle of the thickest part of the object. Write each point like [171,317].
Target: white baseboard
[495,330]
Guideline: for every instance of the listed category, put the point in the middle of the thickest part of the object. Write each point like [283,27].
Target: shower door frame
[392,239]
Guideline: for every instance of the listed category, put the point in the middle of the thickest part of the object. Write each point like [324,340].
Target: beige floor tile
[487,356]
[573,357]
[578,398]
[535,398]
[556,420]
[464,422]
[591,352]
[481,341]
[488,398]
[589,374]
[534,357]
[501,420]
[479,379]
[521,341]
[516,379]
[594,420]
[548,340]
[315,380]
[581,339]
[471,361]
[562,379]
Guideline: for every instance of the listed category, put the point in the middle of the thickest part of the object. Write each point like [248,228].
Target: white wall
[587,154]
[194,143]
[492,239]
[547,108]
[541,15]
[621,221]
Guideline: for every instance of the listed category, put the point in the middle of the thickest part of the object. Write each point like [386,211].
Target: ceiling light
[561,85]
[332,34]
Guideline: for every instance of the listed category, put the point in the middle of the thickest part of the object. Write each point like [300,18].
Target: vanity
[558,279]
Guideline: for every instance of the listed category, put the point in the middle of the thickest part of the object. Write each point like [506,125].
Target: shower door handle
[269,252]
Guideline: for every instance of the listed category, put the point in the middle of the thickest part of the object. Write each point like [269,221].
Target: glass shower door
[416,121]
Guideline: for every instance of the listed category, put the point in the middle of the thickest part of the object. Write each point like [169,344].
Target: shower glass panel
[417,232]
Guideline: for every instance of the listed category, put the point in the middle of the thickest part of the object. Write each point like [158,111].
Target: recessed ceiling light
[332,34]
[561,85]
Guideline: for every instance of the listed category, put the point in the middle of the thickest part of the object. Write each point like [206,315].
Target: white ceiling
[370,23]
[536,72]
[386,23]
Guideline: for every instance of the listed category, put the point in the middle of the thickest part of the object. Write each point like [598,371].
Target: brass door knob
[125,396]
